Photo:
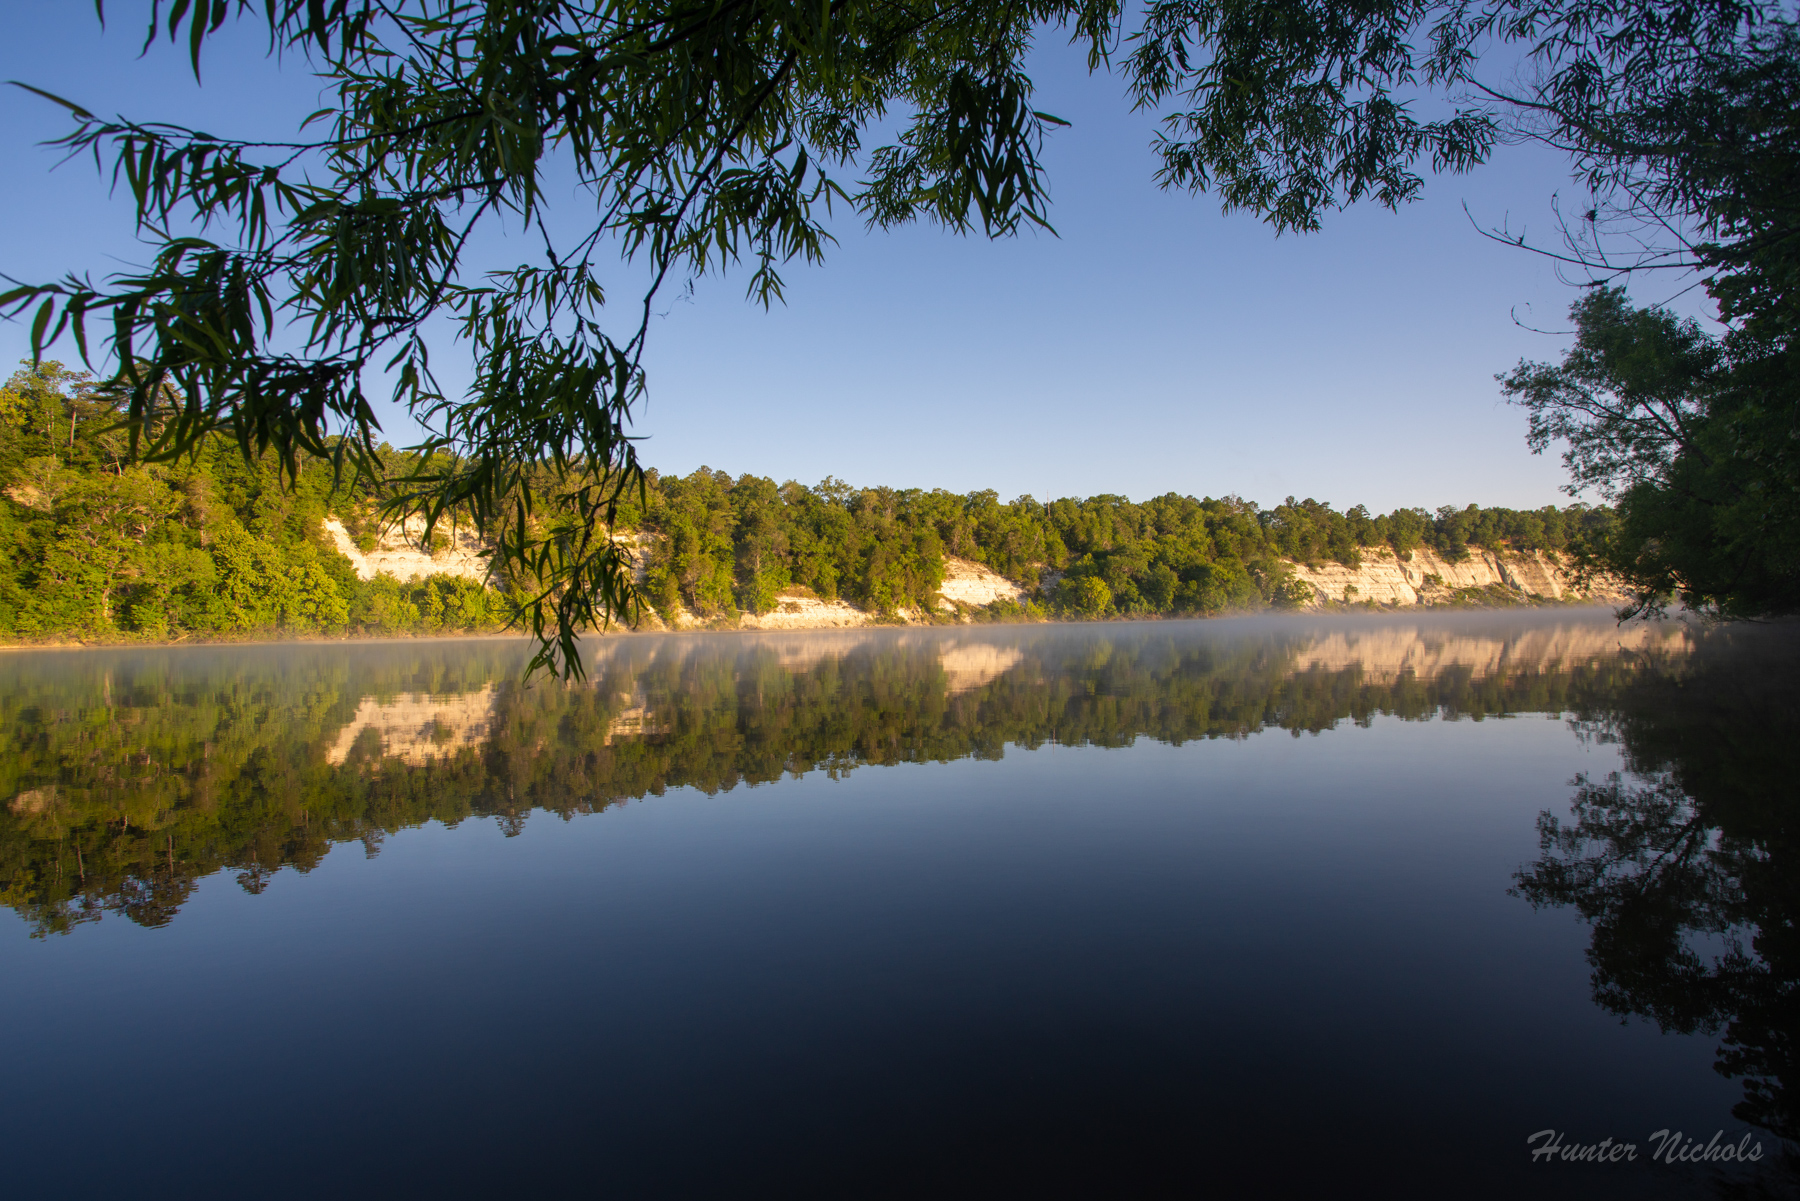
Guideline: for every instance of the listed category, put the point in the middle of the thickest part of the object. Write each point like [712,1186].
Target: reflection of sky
[1355,365]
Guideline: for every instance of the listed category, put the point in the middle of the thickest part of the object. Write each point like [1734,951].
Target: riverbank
[793,623]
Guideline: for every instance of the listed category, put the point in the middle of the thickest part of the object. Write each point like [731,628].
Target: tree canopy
[102,548]
[727,545]
[714,135]
[1694,434]
[1694,437]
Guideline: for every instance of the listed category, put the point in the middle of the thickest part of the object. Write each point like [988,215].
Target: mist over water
[1141,909]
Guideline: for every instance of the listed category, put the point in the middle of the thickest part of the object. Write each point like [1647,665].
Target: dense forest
[218,545]
[735,544]
[98,545]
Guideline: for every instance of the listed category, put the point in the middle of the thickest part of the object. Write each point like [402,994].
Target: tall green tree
[1694,436]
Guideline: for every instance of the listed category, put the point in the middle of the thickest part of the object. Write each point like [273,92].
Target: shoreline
[1311,612]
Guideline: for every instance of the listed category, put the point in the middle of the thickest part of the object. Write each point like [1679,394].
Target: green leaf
[39,325]
[79,112]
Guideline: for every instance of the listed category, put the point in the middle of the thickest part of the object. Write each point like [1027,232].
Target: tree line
[726,545]
[220,545]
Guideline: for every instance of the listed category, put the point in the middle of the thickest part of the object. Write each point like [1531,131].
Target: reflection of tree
[134,775]
[1687,864]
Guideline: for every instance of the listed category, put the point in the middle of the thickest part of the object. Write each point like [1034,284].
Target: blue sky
[1154,346]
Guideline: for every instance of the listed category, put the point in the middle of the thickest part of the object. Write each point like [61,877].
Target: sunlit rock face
[417,728]
[798,609]
[1383,579]
[972,584]
[1385,653]
[397,552]
[1387,580]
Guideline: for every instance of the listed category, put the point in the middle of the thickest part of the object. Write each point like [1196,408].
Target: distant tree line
[727,545]
[217,545]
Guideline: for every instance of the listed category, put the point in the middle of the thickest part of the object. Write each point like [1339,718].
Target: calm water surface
[1310,907]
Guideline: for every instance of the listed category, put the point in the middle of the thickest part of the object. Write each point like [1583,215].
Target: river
[1303,906]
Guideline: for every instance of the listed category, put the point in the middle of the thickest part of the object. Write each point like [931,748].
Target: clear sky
[1154,346]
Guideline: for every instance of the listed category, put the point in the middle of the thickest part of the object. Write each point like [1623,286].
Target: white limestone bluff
[966,584]
[969,583]
[397,552]
[1383,579]
[1426,576]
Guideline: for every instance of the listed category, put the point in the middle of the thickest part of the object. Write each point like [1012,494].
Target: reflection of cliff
[966,666]
[417,728]
[1385,653]
[636,720]
[970,666]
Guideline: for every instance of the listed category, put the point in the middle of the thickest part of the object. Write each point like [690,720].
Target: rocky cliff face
[398,553]
[965,583]
[969,583]
[1383,578]
[1427,577]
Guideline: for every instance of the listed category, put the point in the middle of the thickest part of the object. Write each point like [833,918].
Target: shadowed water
[1145,909]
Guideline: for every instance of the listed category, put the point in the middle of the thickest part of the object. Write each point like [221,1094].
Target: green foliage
[104,548]
[709,136]
[1086,595]
[219,546]
[1697,438]
[1291,594]
[721,545]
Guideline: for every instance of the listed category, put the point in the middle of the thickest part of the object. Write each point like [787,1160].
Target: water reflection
[133,774]
[417,727]
[1687,864]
